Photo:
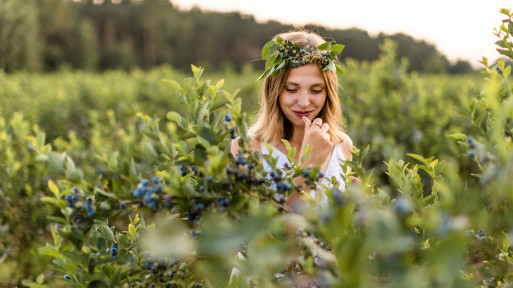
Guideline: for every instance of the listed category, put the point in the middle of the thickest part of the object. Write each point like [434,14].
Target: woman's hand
[317,136]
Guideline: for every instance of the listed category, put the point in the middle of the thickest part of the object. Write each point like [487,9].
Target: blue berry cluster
[72,198]
[233,133]
[88,208]
[114,250]
[312,177]
[297,56]
[222,203]
[184,170]
[472,146]
[148,193]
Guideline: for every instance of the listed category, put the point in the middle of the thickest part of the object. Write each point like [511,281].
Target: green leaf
[174,116]
[218,103]
[75,176]
[459,136]
[505,52]
[197,71]
[56,162]
[220,84]
[264,75]
[40,278]
[331,66]
[417,157]
[337,47]
[54,189]
[265,50]
[339,70]
[501,43]
[324,46]
[106,232]
[175,85]
[504,11]
[506,71]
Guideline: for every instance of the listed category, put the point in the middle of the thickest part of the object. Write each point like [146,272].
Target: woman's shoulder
[346,146]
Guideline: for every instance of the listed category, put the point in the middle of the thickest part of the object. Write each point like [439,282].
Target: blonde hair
[270,125]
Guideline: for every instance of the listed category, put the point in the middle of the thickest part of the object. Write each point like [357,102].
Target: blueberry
[240,160]
[210,178]
[306,173]
[145,182]
[122,205]
[98,254]
[251,166]
[154,269]
[91,213]
[89,200]
[471,154]
[481,232]
[138,193]
[233,136]
[320,175]
[152,203]
[228,117]
[68,198]
[75,198]
[147,266]
[66,277]
[156,180]
[158,188]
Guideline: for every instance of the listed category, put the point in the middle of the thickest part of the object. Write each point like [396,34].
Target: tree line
[97,35]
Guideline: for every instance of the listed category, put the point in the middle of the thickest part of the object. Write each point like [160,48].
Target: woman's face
[304,94]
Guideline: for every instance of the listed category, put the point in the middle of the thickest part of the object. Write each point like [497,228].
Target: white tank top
[333,169]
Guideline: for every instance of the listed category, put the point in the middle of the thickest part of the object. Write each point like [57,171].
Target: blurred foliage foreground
[77,218]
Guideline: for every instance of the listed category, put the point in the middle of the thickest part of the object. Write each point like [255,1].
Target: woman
[300,104]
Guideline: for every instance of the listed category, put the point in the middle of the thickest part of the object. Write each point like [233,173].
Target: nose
[303,99]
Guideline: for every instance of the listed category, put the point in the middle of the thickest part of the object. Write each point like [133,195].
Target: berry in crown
[280,53]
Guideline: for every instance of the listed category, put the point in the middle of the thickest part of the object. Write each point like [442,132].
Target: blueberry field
[125,179]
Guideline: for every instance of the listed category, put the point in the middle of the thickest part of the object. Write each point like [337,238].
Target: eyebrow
[297,84]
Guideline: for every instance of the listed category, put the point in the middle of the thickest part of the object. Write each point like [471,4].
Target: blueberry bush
[149,202]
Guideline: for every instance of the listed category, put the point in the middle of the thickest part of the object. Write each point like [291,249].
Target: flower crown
[291,55]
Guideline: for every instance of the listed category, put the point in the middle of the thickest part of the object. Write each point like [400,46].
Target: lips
[302,113]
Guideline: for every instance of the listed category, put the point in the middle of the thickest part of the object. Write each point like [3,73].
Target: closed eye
[316,91]
[291,90]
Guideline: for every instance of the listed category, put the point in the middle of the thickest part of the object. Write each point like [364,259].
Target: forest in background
[45,36]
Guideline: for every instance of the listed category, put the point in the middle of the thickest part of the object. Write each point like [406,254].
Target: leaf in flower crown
[269,49]
[324,46]
[339,70]
[330,66]
[337,48]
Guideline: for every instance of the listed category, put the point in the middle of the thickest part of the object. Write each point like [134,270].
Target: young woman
[301,105]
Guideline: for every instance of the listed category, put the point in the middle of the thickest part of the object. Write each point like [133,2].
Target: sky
[460,29]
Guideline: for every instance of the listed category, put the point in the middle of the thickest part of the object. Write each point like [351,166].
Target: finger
[325,127]
[355,180]
[317,121]
[308,124]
